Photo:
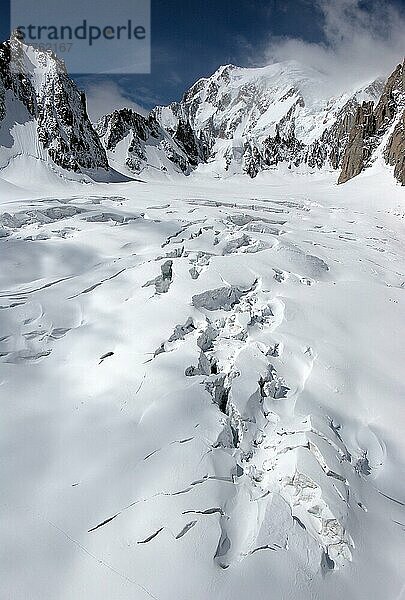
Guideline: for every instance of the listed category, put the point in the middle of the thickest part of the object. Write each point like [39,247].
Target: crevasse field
[202,387]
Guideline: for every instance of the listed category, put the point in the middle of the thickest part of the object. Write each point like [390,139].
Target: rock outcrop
[372,125]
[395,150]
[359,147]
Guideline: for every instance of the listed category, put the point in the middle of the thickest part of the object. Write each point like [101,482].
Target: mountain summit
[253,119]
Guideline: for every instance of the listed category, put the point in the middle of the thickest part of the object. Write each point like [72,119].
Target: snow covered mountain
[236,121]
[42,113]
[252,119]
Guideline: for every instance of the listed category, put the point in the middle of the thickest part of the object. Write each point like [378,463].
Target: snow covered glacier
[201,377]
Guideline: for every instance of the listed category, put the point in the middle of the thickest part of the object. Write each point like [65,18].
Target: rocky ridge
[236,121]
[147,143]
[62,131]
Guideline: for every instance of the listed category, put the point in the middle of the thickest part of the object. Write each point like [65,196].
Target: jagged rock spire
[373,124]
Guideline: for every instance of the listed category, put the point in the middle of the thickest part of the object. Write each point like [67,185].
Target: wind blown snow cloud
[107,96]
[362,41]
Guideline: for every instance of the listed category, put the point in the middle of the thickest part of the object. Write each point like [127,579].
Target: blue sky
[190,39]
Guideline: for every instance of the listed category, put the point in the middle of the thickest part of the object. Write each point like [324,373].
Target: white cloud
[105,97]
[363,40]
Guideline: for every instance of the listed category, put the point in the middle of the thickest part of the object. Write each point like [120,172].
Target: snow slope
[202,388]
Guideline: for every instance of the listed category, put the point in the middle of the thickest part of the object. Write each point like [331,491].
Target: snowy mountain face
[43,114]
[253,119]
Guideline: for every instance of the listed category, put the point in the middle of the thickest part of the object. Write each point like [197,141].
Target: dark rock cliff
[371,126]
